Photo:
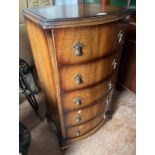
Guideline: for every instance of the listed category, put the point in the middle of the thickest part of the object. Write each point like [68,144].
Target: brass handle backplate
[78,48]
[120,36]
[110,85]
[78,132]
[107,101]
[78,118]
[78,79]
[114,64]
[78,101]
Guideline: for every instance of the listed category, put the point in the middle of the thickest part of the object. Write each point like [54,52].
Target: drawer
[82,44]
[81,98]
[85,114]
[80,76]
[84,128]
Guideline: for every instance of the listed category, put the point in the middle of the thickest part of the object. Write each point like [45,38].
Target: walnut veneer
[76,49]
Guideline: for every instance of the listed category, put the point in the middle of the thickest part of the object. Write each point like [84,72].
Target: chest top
[74,15]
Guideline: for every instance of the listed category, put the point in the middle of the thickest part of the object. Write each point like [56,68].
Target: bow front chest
[76,49]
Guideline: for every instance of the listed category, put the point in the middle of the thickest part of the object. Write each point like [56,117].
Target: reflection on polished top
[62,16]
[63,12]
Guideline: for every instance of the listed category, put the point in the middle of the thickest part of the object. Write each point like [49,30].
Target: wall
[24,45]
[122,3]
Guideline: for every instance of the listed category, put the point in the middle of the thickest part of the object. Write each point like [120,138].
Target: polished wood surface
[85,114]
[42,60]
[101,38]
[91,73]
[86,95]
[72,11]
[84,128]
[88,77]
[75,15]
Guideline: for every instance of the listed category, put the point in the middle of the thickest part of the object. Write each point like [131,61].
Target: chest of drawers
[76,49]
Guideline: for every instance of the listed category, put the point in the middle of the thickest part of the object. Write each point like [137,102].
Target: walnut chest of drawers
[76,49]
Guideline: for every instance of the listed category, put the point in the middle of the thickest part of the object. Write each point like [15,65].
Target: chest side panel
[40,51]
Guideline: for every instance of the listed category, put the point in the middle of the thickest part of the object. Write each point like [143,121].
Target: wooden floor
[116,137]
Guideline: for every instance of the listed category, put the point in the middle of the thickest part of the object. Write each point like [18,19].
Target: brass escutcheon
[78,79]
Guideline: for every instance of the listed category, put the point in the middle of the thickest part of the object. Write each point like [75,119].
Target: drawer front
[81,44]
[80,76]
[86,114]
[84,128]
[82,98]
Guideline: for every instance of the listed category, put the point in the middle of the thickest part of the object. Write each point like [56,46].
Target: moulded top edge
[66,13]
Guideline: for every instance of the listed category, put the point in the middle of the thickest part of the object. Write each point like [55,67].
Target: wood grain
[85,114]
[86,95]
[55,76]
[84,128]
[38,43]
[41,57]
[98,41]
[90,73]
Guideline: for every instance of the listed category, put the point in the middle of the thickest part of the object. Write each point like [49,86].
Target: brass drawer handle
[108,114]
[78,101]
[120,36]
[78,48]
[114,64]
[110,85]
[107,101]
[78,118]
[78,79]
[78,132]
[126,19]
